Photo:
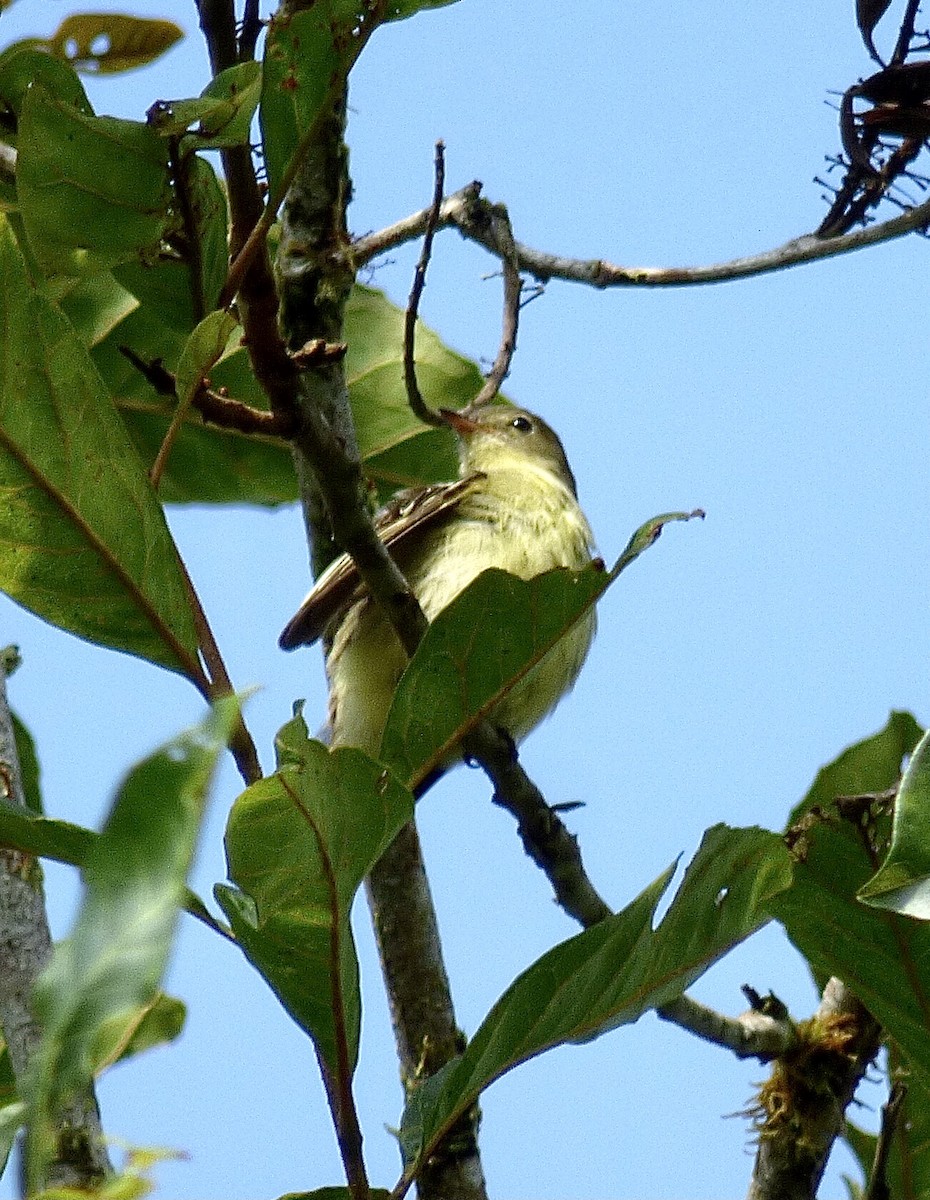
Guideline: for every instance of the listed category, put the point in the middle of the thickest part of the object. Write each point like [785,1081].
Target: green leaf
[87,547]
[28,766]
[95,305]
[609,975]
[308,56]
[114,959]
[374,332]
[224,110]
[64,842]
[208,465]
[93,191]
[207,202]
[298,845]
[12,1119]
[472,654]
[201,352]
[105,43]
[23,65]
[902,883]
[883,957]
[481,646]
[148,1025]
[61,841]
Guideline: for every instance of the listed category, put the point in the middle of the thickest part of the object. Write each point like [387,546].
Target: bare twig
[414,396]
[241,745]
[466,212]
[546,840]
[878,1188]
[214,406]
[503,236]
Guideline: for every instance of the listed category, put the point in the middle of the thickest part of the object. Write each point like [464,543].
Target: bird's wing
[409,512]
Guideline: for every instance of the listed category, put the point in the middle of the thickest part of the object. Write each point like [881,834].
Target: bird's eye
[523,424]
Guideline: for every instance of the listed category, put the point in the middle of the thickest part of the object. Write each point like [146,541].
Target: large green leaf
[902,883]
[374,331]
[609,975]
[93,191]
[86,544]
[135,883]
[28,766]
[298,845]
[883,957]
[481,646]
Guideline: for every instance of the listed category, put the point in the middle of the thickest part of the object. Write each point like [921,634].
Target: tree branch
[755,1034]
[316,278]
[25,949]
[801,1107]
[467,212]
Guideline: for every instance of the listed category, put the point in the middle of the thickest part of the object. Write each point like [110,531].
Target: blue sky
[733,660]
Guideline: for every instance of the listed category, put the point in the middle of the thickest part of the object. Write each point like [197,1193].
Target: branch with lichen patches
[800,1109]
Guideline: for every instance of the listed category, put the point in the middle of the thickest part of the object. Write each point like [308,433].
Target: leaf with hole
[106,43]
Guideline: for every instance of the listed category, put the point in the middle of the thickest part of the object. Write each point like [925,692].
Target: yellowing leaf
[104,43]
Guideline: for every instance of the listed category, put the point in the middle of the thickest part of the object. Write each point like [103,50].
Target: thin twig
[218,684]
[503,236]
[414,396]
[213,406]
[878,1188]
[465,211]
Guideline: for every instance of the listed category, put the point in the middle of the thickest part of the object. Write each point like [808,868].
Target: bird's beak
[463,425]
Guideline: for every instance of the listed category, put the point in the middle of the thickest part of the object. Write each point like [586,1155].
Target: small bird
[514,506]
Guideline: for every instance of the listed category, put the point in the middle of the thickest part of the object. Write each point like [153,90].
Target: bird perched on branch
[514,506]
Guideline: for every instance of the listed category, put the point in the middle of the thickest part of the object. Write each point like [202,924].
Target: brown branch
[213,406]
[414,396]
[513,285]
[467,212]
